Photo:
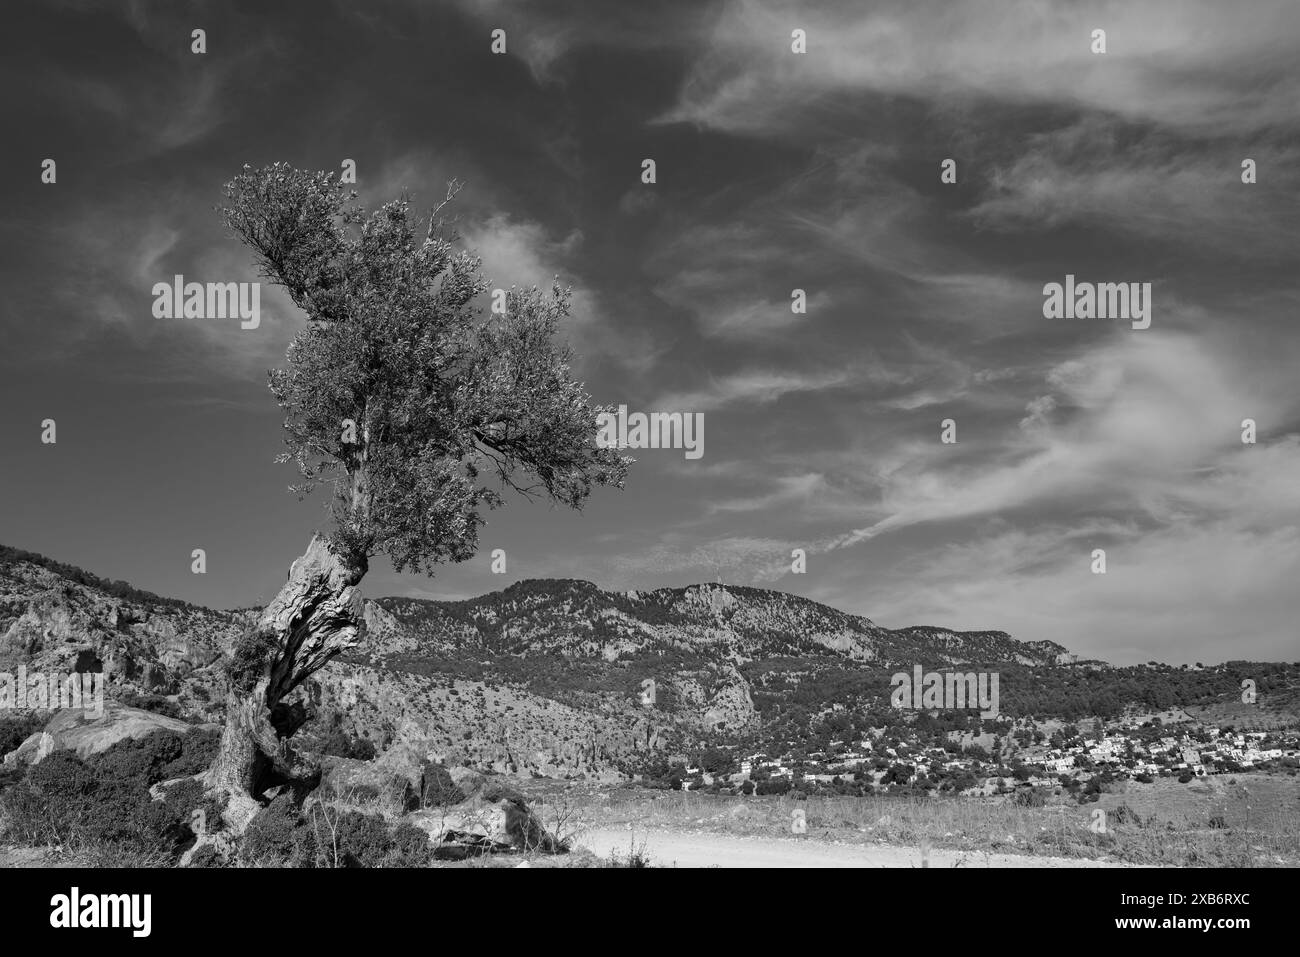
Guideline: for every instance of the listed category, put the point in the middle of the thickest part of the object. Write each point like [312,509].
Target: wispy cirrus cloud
[1084,175]
[1124,428]
[757,386]
[1194,65]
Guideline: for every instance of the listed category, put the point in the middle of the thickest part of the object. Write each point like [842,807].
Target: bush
[411,847]
[248,659]
[131,818]
[11,774]
[1031,797]
[63,775]
[278,836]
[185,797]
[160,756]
[1125,815]
[14,731]
[363,839]
[439,789]
[335,742]
[67,801]
[199,750]
[52,803]
[138,760]
[353,839]
[151,702]
[104,803]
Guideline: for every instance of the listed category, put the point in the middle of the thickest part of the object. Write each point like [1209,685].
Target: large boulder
[480,824]
[85,733]
[495,818]
[466,780]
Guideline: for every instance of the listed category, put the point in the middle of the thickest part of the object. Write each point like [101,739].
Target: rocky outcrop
[85,733]
[493,817]
[51,624]
[731,706]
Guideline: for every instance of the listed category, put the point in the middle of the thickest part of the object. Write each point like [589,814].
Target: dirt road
[668,848]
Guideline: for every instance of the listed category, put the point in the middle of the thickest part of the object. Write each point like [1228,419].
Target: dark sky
[776,171]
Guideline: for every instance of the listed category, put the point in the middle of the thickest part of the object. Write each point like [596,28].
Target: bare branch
[436,221]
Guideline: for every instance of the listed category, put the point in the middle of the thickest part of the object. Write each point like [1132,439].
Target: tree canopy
[417,405]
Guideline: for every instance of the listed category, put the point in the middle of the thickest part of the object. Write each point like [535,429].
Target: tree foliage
[419,409]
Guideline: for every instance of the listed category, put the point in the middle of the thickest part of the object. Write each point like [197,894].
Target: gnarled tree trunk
[317,614]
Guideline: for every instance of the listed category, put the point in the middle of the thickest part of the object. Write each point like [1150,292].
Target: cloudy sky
[775,171]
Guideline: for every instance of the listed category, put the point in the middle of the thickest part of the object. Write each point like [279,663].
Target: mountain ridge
[689,605]
[558,677]
[544,675]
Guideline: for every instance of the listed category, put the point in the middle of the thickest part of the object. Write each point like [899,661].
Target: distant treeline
[1025,691]
[118,589]
[793,696]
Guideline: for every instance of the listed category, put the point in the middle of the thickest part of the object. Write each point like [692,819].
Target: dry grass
[1163,823]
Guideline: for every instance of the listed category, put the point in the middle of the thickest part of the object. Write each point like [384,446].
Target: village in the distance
[1071,757]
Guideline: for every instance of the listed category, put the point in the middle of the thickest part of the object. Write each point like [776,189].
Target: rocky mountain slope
[553,677]
[577,619]
[55,618]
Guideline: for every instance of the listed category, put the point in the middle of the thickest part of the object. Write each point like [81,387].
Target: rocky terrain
[51,622]
[554,678]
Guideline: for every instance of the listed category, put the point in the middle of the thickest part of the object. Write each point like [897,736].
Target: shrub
[63,775]
[131,818]
[160,756]
[151,702]
[353,839]
[335,742]
[363,840]
[248,659]
[99,804]
[185,797]
[14,731]
[1125,815]
[1031,797]
[198,753]
[411,847]
[11,774]
[279,836]
[104,805]
[439,789]
[138,759]
[32,818]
